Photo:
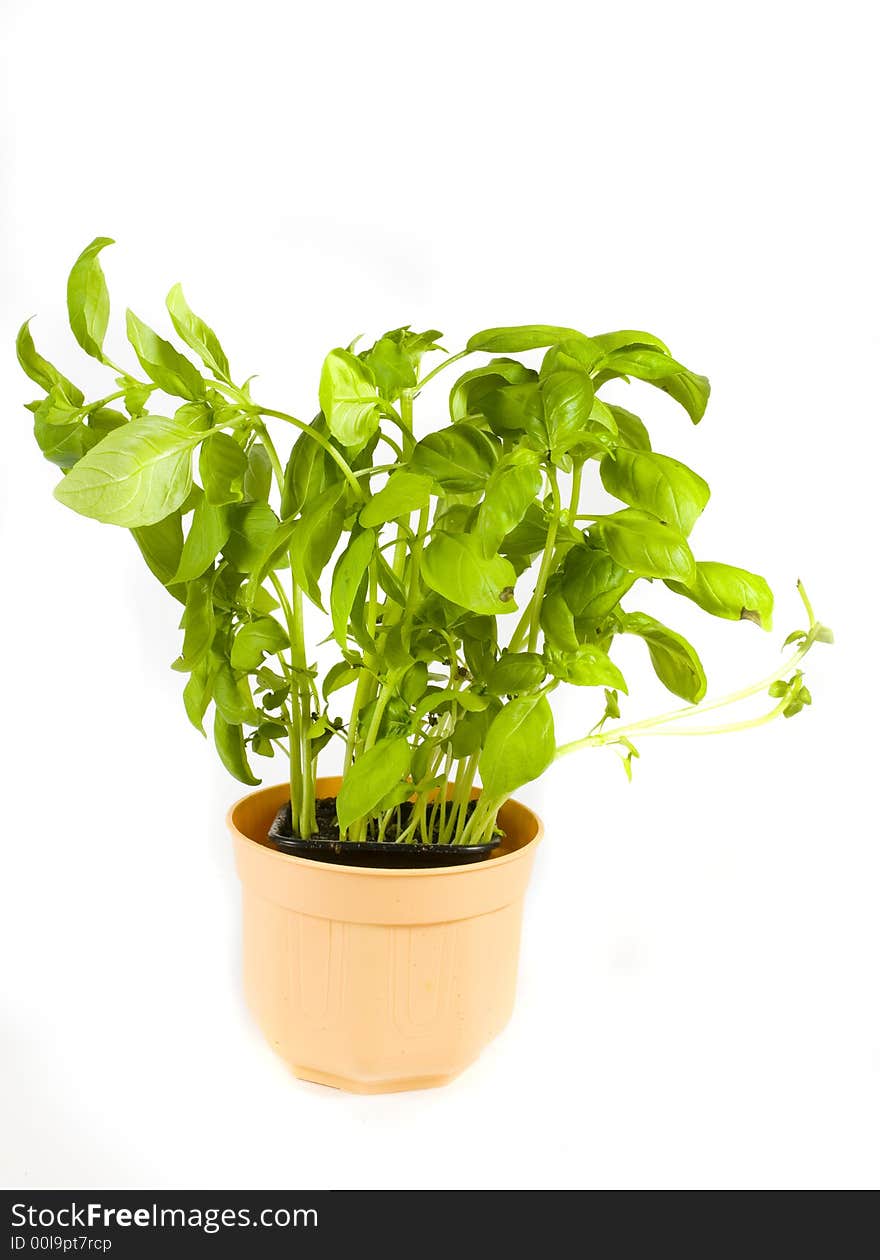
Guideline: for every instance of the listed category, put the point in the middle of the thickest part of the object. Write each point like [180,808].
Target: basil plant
[462,577]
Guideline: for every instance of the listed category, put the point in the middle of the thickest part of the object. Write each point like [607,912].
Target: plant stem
[302,771]
[321,440]
[308,822]
[546,564]
[88,408]
[576,475]
[452,358]
[658,725]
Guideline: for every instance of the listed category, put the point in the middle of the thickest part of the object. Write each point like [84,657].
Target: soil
[325,846]
[328,827]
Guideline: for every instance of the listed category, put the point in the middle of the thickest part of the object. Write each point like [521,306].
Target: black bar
[196,1223]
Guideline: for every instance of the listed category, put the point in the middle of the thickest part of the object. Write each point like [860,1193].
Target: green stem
[576,476]
[366,682]
[657,725]
[102,402]
[308,822]
[546,563]
[452,358]
[321,440]
[302,770]
[273,455]
[415,560]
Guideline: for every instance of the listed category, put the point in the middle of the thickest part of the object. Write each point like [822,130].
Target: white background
[699,983]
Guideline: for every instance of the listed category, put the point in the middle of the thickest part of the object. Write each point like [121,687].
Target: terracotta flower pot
[378,980]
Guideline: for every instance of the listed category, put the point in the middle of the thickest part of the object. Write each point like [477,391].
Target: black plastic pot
[384,854]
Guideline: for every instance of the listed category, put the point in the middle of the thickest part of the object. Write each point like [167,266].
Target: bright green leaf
[519,746]
[347,577]
[370,778]
[88,302]
[196,334]
[403,493]
[254,639]
[135,476]
[163,364]
[453,566]
[675,661]
[646,546]
[349,398]
[205,539]
[725,591]
[656,484]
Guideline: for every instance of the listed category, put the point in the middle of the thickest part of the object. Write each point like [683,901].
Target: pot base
[351,1085]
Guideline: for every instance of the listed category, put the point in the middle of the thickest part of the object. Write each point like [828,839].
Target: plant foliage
[461,579]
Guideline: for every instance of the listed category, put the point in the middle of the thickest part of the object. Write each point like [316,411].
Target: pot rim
[493,862]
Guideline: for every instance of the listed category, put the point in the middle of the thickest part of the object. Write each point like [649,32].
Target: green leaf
[588,666]
[196,334]
[725,591]
[514,672]
[41,370]
[64,445]
[254,639]
[389,581]
[349,398]
[232,695]
[347,576]
[197,694]
[198,626]
[207,534]
[161,546]
[338,676]
[631,430]
[656,484]
[675,661]
[135,476]
[581,354]
[568,402]
[657,368]
[136,395]
[646,546]
[223,466]
[519,746]
[592,583]
[514,409]
[370,778]
[229,740]
[57,408]
[104,420]
[511,488]
[459,460]
[88,302]
[469,389]
[391,367]
[309,472]
[252,529]
[628,339]
[453,566]
[436,700]
[313,540]
[557,621]
[414,682]
[404,492]
[258,476]
[162,363]
[522,337]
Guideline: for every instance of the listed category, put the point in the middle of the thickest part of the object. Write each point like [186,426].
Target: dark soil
[326,846]
[328,827]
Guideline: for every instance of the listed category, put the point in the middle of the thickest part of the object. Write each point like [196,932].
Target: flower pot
[374,980]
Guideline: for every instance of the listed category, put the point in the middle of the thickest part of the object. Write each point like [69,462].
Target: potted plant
[463,580]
